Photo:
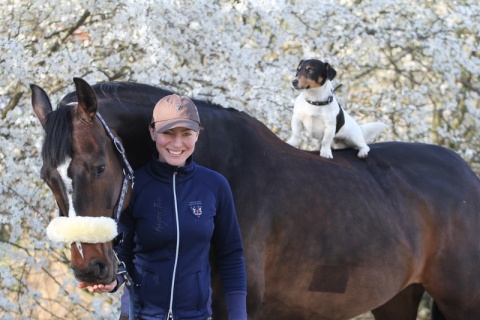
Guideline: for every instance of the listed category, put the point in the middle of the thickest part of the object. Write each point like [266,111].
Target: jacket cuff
[119,283]
[236,305]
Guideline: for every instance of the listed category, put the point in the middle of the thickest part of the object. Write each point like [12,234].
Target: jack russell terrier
[316,110]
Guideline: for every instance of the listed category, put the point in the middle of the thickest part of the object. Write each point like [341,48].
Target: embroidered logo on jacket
[196,208]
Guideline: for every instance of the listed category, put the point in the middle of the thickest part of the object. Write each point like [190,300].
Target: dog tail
[372,130]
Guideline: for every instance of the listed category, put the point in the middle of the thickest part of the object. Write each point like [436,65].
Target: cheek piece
[82,229]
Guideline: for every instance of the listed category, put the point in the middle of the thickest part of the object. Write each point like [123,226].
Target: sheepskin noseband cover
[82,229]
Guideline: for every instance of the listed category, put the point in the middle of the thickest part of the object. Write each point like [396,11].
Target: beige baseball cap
[175,111]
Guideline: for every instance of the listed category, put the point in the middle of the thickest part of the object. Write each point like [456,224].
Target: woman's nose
[177,140]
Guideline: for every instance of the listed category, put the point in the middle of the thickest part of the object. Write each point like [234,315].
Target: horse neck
[130,122]
[233,140]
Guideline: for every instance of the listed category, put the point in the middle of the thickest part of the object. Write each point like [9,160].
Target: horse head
[82,167]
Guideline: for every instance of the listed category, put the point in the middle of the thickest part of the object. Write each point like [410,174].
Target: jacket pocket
[151,293]
[202,291]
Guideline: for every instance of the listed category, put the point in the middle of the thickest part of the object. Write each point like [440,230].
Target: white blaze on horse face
[68,183]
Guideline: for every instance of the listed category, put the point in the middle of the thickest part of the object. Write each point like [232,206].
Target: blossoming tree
[412,64]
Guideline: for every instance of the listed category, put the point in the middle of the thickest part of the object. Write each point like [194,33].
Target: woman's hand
[98,288]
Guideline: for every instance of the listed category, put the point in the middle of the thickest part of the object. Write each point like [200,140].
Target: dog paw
[293,142]
[363,153]
[326,153]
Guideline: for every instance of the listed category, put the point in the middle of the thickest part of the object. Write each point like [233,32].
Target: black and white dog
[317,111]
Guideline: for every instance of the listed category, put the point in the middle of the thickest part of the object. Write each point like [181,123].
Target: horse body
[324,239]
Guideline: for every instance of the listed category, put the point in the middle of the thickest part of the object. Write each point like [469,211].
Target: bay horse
[323,238]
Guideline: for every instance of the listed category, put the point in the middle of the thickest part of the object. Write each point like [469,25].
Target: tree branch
[12,104]
[70,31]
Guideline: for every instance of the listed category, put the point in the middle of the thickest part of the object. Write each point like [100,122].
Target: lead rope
[129,284]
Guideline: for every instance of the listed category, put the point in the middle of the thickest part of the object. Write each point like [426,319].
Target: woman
[177,210]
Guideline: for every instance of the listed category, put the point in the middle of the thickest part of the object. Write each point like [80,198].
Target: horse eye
[99,170]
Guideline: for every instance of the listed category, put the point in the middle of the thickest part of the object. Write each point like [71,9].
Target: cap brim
[162,126]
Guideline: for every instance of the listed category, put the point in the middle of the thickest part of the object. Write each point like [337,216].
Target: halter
[93,229]
[127,175]
[98,229]
[127,169]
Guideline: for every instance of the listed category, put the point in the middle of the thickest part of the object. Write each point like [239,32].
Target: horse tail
[372,130]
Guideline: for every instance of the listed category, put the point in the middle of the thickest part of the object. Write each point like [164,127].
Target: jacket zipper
[170,310]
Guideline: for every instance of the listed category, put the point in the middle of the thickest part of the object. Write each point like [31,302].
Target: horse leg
[451,282]
[403,306]
[457,308]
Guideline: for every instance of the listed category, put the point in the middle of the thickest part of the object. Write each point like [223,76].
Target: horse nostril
[100,268]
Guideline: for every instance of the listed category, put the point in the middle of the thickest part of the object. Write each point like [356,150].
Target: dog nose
[295,82]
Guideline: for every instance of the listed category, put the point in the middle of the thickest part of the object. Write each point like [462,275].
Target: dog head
[312,73]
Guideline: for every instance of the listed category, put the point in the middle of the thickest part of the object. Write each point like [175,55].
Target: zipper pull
[170,315]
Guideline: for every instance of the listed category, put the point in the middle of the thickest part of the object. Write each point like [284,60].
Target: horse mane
[133,92]
[58,136]
[123,90]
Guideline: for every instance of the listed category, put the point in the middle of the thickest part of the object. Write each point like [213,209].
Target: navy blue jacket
[167,254]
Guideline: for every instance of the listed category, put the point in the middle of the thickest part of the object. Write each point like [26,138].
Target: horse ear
[331,73]
[87,100]
[41,104]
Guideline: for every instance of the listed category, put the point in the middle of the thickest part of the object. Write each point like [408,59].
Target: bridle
[127,169]
[60,228]
[127,176]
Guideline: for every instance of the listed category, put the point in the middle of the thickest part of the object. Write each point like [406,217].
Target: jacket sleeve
[229,250]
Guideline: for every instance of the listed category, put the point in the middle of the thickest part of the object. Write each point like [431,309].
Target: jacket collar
[163,171]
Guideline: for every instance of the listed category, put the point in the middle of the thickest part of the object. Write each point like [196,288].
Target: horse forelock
[58,137]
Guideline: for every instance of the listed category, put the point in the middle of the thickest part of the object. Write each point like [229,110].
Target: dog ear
[301,61]
[331,73]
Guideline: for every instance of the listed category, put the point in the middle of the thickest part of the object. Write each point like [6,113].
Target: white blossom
[413,65]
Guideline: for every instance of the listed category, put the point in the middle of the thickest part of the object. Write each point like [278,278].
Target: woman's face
[175,145]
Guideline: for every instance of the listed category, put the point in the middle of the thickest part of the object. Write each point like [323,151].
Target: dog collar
[321,103]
